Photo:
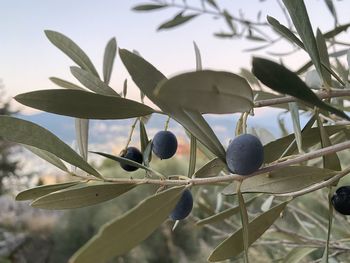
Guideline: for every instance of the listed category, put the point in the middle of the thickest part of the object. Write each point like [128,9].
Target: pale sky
[28,59]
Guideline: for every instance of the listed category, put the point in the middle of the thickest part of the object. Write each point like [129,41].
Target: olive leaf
[28,133]
[81,195]
[42,190]
[123,233]
[282,80]
[108,59]
[233,245]
[179,19]
[65,84]
[82,104]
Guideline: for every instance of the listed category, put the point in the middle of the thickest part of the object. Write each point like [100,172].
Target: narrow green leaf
[212,3]
[198,57]
[108,59]
[47,156]
[179,19]
[330,161]
[207,91]
[42,190]
[336,31]
[82,135]
[81,195]
[294,111]
[123,233]
[125,89]
[330,222]
[123,160]
[147,154]
[282,80]
[331,8]
[324,57]
[300,18]
[193,156]
[223,215]
[82,104]
[284,31]
[286,180]
[72,50]
[233,245]
[92,82]
[245,224]
[25,132]
[210,169]
[143,136]
[297,254]
[65,84]
[148,7]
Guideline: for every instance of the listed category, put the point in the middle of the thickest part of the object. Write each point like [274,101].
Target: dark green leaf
[233,245]
[285,180]
[47,156]
[223,215]
[212,3]
[143,136]
[92,82]
[334,32]
[123,233]
[322,49]
[300,18]
[125,89]
[148,7]
[282,80]
[25,132]
[81,195]
[207,91]
[82,104]
[108,59]
[42,190]
[65,84]
[179,19]
[331,9]
[72,50]
[210,169]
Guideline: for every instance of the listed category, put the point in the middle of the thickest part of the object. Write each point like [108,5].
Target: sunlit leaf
[81,195]
[92,82]
[72,50]
[25,132]
[47,156]
[233,245]
[285,180]
[211,168]
[282,80]
[123,233]
[65,84]
[223,215]
[178,20]
[42,190]
[108,59]
[207,91]
[82,104]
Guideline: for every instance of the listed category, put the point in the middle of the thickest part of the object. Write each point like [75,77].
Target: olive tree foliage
[306,161]
[8,166]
